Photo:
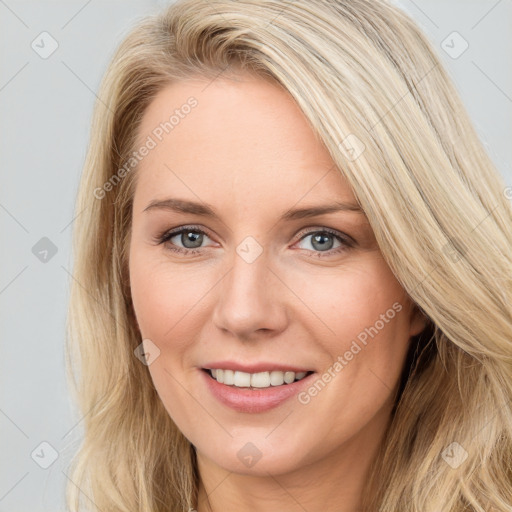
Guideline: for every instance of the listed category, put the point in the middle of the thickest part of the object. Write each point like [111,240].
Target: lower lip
[254,400]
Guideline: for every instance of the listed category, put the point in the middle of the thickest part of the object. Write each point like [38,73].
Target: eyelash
[167,235]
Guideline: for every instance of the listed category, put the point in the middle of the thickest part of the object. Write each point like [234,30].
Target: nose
[251,300]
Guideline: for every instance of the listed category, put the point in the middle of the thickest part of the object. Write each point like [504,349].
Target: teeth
[229,377]
[255,380]
[242,380]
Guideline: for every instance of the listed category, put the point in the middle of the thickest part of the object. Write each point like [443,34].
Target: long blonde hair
[366,77]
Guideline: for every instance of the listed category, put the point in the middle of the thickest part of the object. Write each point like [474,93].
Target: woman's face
[248,283]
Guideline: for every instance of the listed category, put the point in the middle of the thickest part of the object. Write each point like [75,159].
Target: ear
[419,320]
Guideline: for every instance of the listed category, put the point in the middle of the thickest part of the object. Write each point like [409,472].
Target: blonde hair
[361,71]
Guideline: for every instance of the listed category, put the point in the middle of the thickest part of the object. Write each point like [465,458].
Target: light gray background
[45,108]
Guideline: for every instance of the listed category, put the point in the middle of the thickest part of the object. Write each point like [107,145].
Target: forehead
[244,137]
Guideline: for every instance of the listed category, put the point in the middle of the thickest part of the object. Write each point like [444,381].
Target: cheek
[351,298]
[359,314]
[166,304]
[166,299]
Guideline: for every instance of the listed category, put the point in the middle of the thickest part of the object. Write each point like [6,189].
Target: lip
[252,400]
[262,366]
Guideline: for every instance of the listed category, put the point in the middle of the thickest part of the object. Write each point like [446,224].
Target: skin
[248,151]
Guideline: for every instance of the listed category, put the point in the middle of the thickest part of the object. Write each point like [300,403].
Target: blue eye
[193,237]
[185,232]
[323,240]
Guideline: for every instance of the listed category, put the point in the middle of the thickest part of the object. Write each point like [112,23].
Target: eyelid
[325,229]
[308,230]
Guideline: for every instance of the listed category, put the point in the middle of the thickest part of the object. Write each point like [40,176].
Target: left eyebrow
[315,211]
[206,210]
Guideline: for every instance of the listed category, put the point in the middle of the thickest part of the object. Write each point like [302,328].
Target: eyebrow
[205,210]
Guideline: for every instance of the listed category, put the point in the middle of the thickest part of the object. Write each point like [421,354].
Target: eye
[322,241]
[191,238]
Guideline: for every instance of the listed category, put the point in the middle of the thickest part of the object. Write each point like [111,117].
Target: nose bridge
[247,300]
[249,263]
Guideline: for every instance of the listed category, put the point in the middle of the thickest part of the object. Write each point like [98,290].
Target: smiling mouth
[260,380]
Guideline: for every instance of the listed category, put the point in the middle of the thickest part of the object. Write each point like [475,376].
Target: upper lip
[262,366]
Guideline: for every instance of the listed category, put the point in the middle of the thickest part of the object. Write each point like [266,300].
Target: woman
[293,271]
